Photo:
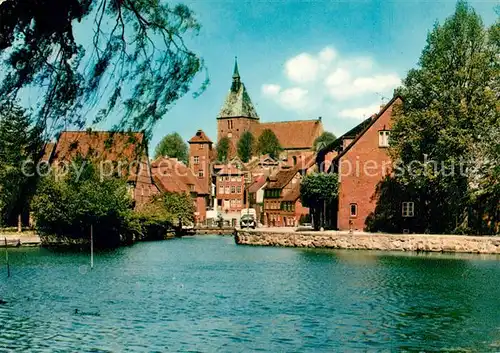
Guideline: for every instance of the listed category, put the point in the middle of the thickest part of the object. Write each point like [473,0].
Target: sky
[338,60]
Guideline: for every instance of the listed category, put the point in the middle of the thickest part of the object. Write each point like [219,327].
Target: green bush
[66,208]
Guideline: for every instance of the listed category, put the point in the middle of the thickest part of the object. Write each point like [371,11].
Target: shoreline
[369,241]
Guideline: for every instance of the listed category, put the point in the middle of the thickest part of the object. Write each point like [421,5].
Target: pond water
[207,294]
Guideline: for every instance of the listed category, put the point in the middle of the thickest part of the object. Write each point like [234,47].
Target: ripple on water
[207,295]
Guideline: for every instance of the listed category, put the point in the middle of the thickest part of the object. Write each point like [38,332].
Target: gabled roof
[292,195]
[172,175]
[372,121]
[298,134]
[101,145]
[281,178]
[200,137]
[230,169]
[258,183]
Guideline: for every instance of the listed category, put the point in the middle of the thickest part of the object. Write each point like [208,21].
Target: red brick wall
[239,182]
[300,210]
[144,186]
[201,208]
[203,151]
[369,163]
[235,126]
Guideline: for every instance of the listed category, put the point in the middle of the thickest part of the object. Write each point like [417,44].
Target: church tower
[238,114]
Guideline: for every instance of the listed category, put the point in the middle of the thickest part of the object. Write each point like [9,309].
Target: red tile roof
[292,195]
[230,169]
[257,184]
[299,134]
[174,176]
[47,151]
[200,137]
[114,146]
[281,178]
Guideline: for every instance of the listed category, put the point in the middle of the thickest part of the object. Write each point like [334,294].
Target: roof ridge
[373,120]
[290,121]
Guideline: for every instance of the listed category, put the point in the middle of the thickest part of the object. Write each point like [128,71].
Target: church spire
[236,77]
[236,73]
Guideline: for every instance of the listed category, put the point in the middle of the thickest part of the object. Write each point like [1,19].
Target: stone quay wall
[370,241]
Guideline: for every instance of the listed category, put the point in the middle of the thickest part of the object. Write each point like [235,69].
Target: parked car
[247,221]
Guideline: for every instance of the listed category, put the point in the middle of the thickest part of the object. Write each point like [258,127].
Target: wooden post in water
[7,258]
[91,246]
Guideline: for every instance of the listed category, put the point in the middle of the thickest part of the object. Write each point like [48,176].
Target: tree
[317,191]
[223,149]
[172,146]
[66,208]
[268,143]
[19,143]
[323,140]
[450,109]
[138,60]
[246,146]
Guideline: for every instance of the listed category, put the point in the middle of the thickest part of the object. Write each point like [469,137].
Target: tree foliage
[163,213]
[137,60]
[268,143]
[19,142]
[172,146]
[67,207]
[318,190]
[223,147]
[246,146]
[323,140]
[445,135]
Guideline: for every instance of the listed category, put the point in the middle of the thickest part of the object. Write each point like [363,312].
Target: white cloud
[360,112]
[294,98]
[331,84]
[302,68]
[327,55]
[271,89]
[362,85]
[338,77]
[376,83]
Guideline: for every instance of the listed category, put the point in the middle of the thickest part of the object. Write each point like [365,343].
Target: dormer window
[383,138]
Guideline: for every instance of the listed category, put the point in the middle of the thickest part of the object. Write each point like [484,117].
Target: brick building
[120,154]
[201,154]
[238,115]
[171,175]
[282,206]
[361,159]
[230,189]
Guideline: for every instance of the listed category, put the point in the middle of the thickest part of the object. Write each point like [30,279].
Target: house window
[200,174]
[202,146]
[383,138]
[408,209]
[191,187]
[353,209]
[196,159]
[294,158]
[221,179]
[238,189]
[228,190]
[233,189]
[221,190]
[233,178]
